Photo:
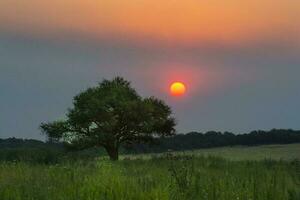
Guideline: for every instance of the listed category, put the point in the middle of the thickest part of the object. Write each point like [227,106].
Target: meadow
[242,173]
[285,152]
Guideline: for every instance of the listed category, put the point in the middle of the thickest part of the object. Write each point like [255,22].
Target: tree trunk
[113,153]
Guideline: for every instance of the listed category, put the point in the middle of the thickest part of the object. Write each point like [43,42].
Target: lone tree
[109,115]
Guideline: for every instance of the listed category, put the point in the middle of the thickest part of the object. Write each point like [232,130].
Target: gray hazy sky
[237,81]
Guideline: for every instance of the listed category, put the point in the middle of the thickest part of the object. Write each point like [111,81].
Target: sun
[177,88]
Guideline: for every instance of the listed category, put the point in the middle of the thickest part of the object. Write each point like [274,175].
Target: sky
[240,60]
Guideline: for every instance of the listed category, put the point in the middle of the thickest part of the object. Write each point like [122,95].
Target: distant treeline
[196,140]
[26,143]
[13,149]
[29,150]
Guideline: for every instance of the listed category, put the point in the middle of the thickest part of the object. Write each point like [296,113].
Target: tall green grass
[164,177]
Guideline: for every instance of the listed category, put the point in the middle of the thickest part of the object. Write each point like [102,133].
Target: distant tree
[110,115]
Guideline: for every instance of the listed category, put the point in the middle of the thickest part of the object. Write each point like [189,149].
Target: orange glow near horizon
[177,21]
[177,89]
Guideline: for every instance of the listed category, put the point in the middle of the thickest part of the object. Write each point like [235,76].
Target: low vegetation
[13,149]
[211,139]
[168,176]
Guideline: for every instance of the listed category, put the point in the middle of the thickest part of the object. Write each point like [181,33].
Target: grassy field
[244,173]
[285,152]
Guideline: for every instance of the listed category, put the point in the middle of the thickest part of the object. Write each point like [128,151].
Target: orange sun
[177,89]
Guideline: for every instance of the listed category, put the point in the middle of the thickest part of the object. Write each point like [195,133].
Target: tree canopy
[112,114]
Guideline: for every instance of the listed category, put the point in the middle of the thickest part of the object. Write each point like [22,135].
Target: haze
[240,60]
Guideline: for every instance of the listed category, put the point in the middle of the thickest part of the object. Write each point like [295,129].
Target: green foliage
[31,155]
[195,140]
[167,177]
[54,130]
[38,152]
[35,151]
[110,115]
